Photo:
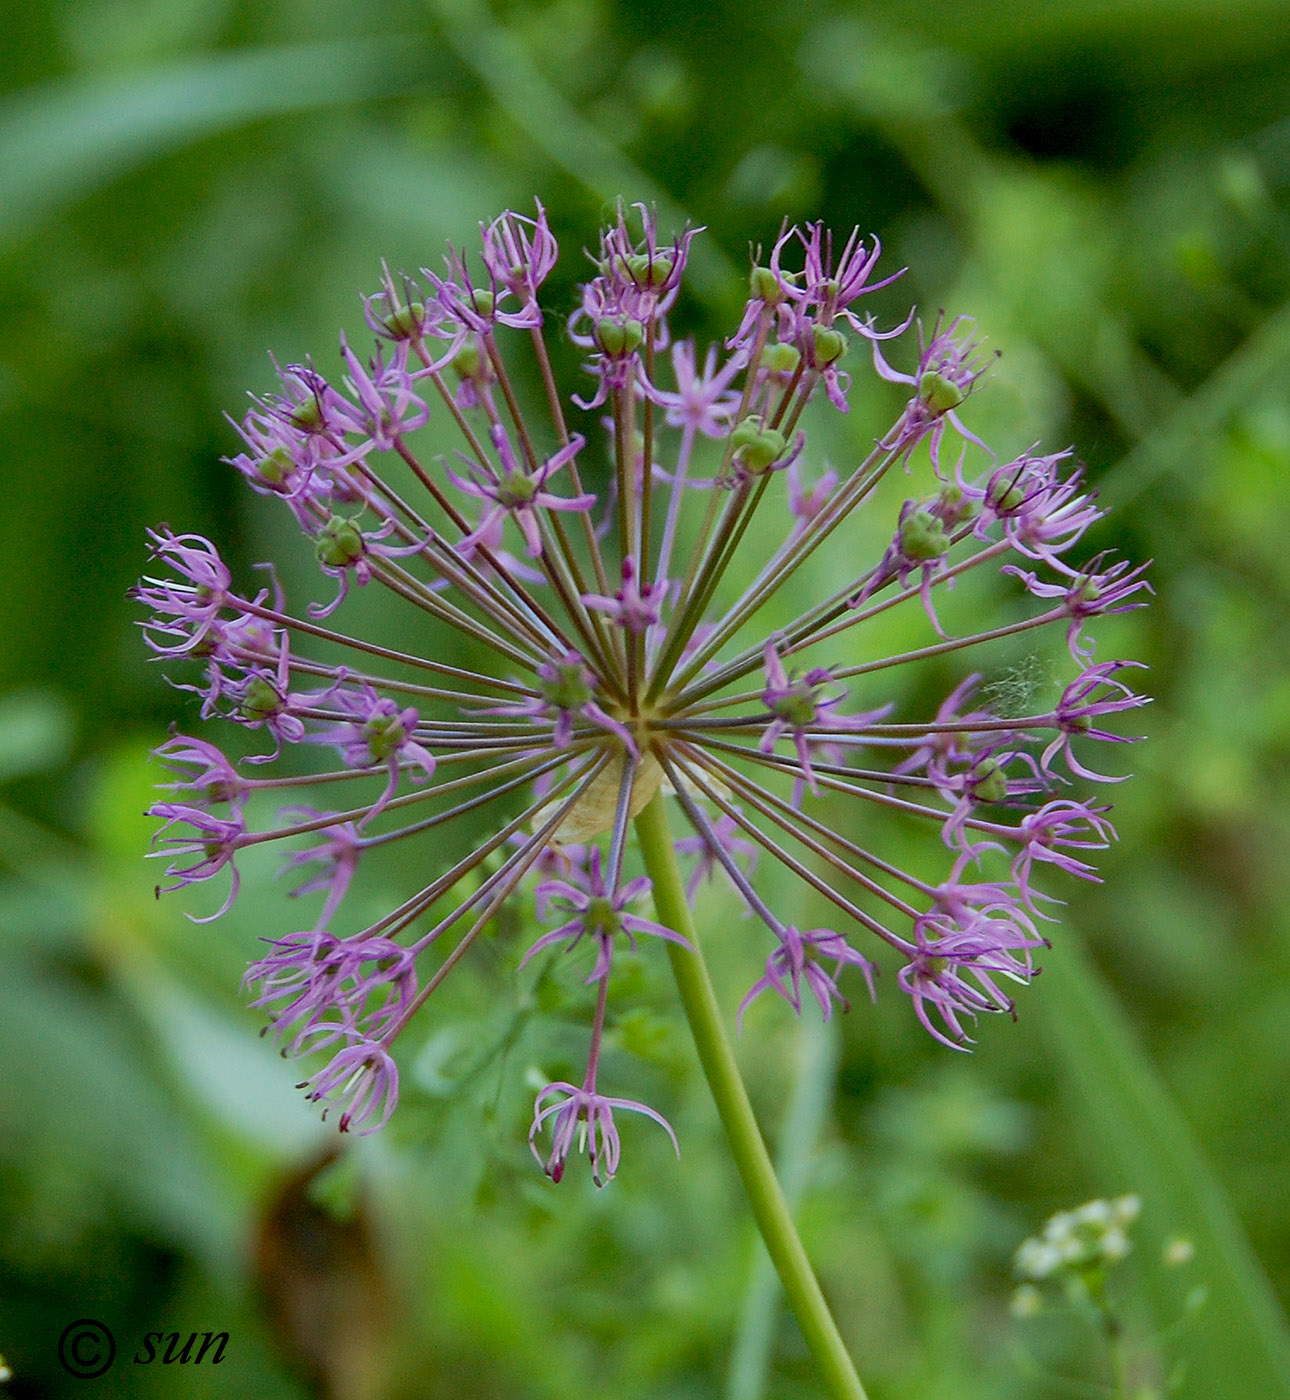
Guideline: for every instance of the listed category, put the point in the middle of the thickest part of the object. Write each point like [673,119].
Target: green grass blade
[62,141]
[1238,1345]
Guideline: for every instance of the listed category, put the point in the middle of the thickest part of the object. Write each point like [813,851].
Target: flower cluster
[1092,1235]
[627,654]
[1075,1253]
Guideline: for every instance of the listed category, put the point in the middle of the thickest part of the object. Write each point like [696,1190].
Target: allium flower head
[621,655]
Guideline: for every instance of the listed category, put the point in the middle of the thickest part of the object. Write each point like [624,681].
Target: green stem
[773,1217]
[1118,1363]
[805,1115]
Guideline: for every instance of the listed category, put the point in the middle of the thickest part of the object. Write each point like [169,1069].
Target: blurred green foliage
[184,186]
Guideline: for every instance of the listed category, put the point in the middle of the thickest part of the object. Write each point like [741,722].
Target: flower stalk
[774,1220]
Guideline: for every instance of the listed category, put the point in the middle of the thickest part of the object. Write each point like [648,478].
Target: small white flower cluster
[1095,1233]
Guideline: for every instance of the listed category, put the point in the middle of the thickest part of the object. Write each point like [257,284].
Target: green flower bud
[649,272]
[482,302]
[797,708]
[953,507]
[922,536]
[988,782]
[260,701]
[515,490]
[406,322]
[1089,592]
[1005,497]
[600,916]
[939,393]
[569,689]
[339,543]
[619,337]
[764,286]
[467,360]
[309,415]
[781,358]
[275,467]
[757,448]
[384,734]
[829,345]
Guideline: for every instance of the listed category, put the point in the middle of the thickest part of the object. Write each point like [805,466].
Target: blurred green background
[189,184]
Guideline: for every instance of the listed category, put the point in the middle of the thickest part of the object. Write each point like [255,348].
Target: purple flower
[212,777]
[258,698]
[1043,513]
[679,616]
[702,402]
[519,254]
[985,779]
[585,1117]
[298,442]
[824,287]
[634,606]
[386,408]
[1091,696]
[800,956]
[320,989]
[185,614]
[599,913]
[806,502]
[364,1079]
[953,737]
[401,311]
[1088,594]
[924,536]
[625,306]
[949,365]
[728,841]
[284,460]
[373,730]
[1051,835]
[213,840]
[959,903]
[800,706]
[643,276]
[337,851]
[345,550]
[567,692]
[945,958]
[482,547]
[518,493]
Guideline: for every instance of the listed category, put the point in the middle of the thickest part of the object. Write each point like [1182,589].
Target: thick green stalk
[773,1217]
[805,1114]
